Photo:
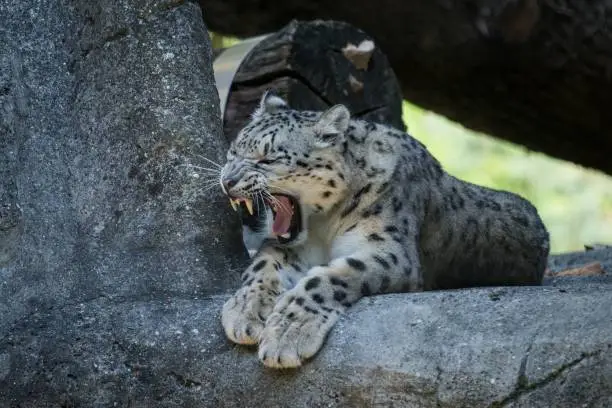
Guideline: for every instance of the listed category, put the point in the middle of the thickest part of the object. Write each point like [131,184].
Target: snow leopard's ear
[331,126]
[269,103]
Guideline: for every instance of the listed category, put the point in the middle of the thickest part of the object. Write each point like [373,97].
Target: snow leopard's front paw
[244,314]
[295,331]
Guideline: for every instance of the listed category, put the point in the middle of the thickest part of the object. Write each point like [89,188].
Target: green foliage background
[575,203]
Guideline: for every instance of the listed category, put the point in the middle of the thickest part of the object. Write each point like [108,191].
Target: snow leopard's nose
[229,182]
[230,176]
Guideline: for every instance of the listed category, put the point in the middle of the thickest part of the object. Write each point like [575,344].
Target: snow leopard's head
[290,163]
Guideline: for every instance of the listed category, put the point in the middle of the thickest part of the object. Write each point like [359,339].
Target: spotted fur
[380,215]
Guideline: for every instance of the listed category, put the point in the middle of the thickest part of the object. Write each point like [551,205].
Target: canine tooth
[233,203]
[286,235]
[249,205]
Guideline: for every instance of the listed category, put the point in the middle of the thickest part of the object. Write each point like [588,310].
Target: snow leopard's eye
[266,161]
[330,138]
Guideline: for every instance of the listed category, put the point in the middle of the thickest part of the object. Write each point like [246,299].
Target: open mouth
[286,213]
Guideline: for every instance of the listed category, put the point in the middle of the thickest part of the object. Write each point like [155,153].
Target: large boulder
[115,259]
[103,108]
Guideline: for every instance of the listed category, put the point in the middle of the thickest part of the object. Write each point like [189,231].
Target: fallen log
[536,73]
[315,65]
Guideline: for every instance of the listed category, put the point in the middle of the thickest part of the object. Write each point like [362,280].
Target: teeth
[286,235]
[249,205]
[236,204]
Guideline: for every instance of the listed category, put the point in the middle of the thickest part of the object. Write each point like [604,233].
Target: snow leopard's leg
[244,314]
[303,316]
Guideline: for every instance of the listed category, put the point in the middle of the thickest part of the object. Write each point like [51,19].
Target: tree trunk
[537,73]
[314,66]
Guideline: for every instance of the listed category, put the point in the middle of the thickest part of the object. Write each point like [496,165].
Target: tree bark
[537,73]
[314,66]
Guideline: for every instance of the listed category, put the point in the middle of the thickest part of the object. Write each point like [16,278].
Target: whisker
[216,171]
[208,176]
[280,189]
[277,202]
[209,188]
[208,172]
[205,176]
[262,199]
[206,189]
[256,198]
[210,161]
[284,207]
[210,180]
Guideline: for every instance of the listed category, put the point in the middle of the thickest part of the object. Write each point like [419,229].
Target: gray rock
[111,285]
[515,347]
[103,103]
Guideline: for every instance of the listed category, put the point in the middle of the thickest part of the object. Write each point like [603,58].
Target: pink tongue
[284,213]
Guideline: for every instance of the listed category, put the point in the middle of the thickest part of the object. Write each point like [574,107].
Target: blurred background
[575,203]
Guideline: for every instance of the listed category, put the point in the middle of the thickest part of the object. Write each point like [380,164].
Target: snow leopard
[352,208]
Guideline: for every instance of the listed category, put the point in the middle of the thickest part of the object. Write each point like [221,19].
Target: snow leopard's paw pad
[294,332]
[244,314]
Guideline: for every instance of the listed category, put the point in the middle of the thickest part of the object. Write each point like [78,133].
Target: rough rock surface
[547,346]
[101,105]
[110,288]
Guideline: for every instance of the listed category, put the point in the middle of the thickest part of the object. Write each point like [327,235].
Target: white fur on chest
[314,251]
[317,251]
[347,244]
[323,246]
